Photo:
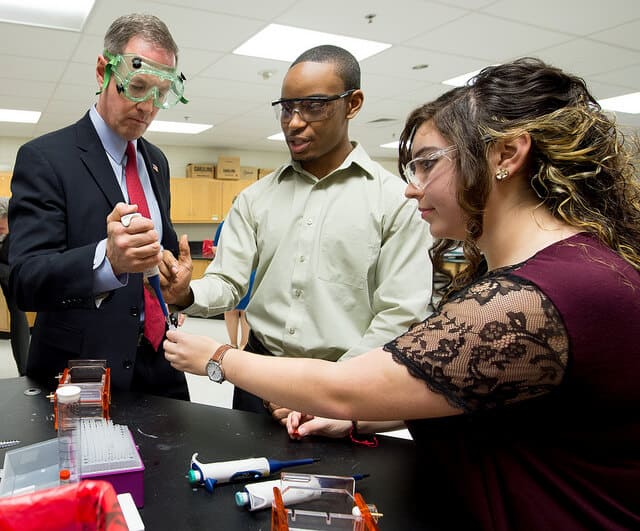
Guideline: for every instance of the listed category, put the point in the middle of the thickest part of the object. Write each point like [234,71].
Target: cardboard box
[264,171]
[249,173]
[201,170]
[228,168]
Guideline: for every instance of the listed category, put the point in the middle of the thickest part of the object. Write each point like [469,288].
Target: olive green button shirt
[341,262]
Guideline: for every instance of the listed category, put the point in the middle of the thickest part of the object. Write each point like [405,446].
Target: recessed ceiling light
[629,103]
[21,117]
[185,128]
[266,74]
[286,43]
[278,137]
[46,13]
[391,145]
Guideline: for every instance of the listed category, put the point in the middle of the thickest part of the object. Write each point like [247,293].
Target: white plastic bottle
[69,448]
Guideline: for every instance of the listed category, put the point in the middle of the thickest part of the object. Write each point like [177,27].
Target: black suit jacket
[63,188]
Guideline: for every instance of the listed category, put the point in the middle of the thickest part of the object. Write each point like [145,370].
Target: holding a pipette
[74,262]
[152,275]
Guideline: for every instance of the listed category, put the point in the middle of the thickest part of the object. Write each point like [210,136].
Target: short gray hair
[148,27]
[4,207]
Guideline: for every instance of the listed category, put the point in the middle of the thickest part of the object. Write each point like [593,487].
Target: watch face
[214,371]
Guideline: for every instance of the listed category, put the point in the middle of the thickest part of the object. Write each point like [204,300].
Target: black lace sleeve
[500,340]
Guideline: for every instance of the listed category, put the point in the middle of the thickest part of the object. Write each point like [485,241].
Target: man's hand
[175,275]
[131,249]
[279,413]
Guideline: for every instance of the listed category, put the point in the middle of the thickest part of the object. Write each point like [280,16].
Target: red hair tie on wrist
[370,441]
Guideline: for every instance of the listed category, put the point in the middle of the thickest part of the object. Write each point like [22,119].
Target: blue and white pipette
[210,474]
[152,274]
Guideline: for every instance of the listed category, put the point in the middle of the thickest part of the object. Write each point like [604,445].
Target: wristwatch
[214,365]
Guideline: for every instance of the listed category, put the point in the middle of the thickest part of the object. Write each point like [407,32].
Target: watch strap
[220,352]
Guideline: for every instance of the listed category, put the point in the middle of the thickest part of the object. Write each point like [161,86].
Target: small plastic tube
[69,447]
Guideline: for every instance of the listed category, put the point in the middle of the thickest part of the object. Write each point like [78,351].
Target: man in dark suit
[73,261]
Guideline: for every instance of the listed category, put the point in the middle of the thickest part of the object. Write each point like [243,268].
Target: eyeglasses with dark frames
[311,109]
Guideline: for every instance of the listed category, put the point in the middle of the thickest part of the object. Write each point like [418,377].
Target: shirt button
[133,311]
[292,331]
[298,292]
[127,364]
[309,221]
[302,258]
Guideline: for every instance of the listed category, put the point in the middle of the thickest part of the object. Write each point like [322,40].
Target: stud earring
[502,174]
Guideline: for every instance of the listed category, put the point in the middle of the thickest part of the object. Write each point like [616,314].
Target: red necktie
[154,323]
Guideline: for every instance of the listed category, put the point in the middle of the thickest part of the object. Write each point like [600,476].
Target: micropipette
[152,275]
[210,474]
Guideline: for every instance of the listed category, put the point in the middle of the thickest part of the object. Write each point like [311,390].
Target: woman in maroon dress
[521,391]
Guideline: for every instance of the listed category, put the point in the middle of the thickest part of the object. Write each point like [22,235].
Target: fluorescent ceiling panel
[185,128]
[461,80]
[286,43]
[278,137]
[56,14]
[391,145]
[629,103]
[21,117]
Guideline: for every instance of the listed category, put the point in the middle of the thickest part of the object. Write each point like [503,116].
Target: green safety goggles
[139,79]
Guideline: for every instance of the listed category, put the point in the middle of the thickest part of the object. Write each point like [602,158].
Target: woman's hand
[300,425]
[189,353]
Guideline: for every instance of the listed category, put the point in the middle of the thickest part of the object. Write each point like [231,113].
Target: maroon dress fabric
[544,360]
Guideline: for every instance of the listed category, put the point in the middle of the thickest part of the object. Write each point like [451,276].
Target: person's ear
[354,104]
[512,156]
[100,68]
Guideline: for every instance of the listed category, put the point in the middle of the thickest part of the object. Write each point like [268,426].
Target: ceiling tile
[571,16]
[625,35]
[486,37]
[29,41]
[586,57]
[54,70]
[387,25]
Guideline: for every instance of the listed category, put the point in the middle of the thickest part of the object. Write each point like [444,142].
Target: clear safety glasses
[139,79]
[311,109]
[417,170]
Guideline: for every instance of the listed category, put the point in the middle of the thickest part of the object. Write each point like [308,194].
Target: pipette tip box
[117,462]
[36,466]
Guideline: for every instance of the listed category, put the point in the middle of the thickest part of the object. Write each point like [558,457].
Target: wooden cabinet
[199,267]
[230,189]
[5,183]
[196,200]
[5,320]
[203,200]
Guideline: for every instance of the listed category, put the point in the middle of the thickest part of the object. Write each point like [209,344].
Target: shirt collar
[357,156]
[112,142]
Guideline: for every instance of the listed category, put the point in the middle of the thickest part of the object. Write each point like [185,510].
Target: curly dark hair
[581,165]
